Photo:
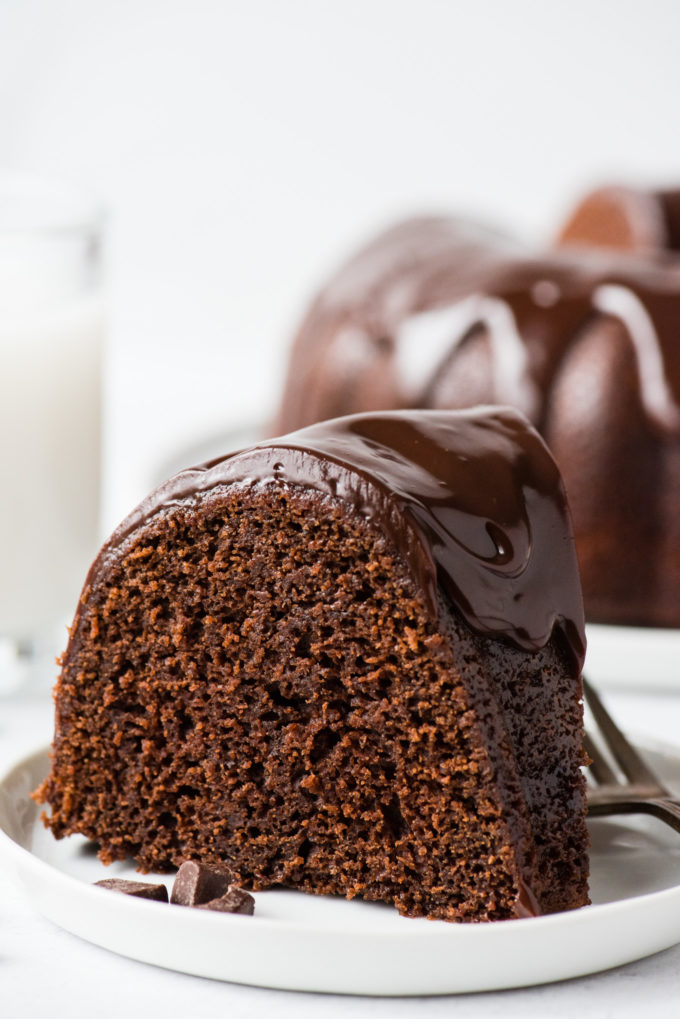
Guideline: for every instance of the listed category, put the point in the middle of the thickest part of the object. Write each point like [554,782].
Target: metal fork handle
[666,810]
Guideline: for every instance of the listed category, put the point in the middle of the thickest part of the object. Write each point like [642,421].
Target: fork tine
[599,767]
[632,765]
[667,811]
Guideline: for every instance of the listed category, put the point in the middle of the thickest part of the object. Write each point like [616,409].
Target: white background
[243,148]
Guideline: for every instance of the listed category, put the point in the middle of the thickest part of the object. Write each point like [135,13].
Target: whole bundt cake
[345,661]
[437,313]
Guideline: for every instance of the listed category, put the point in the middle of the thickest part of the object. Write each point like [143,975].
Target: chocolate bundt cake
[345,661]
[437,314]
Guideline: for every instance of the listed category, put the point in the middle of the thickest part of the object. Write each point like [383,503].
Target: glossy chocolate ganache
[472,500]
[437,313]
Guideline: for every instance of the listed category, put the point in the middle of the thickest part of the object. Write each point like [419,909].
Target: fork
[642,793]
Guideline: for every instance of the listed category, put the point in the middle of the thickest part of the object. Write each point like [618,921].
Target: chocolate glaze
[530,309]
[472,500]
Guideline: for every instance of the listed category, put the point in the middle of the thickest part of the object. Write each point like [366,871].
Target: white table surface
[45,971]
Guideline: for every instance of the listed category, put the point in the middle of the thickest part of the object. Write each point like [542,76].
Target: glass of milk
[51,335]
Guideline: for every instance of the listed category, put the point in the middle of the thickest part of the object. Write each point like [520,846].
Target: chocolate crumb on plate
[139,889]
[235,901]
[197,883]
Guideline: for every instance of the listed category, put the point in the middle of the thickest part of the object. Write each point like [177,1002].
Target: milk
[51,333]
[50,415]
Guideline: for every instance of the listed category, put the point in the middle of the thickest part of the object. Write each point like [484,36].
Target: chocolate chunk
[235,901]
[197,883]
[140,889]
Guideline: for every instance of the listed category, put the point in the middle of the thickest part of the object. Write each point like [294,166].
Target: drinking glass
[51,340]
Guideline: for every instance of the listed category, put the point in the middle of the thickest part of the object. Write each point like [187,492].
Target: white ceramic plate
[633,657]
[301,942]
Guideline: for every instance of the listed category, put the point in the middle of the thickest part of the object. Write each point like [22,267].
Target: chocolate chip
[197,883]
[140,889]
[235,901]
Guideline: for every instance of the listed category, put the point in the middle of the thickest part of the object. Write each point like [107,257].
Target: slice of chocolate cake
[344,661]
